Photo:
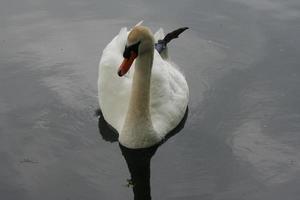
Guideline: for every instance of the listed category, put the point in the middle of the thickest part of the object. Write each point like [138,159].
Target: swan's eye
[129,49]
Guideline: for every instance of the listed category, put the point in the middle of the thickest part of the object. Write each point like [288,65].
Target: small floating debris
[129,183]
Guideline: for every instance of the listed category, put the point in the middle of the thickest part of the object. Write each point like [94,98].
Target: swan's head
[140,40]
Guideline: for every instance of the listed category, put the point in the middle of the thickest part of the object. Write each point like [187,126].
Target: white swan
[151,99]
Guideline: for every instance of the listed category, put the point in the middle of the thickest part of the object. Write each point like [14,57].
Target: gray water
[241,140]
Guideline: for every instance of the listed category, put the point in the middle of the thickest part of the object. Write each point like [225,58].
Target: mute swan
[145,103]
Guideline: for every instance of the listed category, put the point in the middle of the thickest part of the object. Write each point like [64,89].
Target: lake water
[241,139]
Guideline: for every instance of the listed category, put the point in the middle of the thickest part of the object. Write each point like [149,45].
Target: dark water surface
[241,140]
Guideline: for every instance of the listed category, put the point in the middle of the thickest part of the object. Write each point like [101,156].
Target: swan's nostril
[120,72]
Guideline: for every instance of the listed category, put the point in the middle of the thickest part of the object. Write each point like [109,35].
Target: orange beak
[126,64]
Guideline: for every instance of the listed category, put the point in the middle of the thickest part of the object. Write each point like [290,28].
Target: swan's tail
[161,45]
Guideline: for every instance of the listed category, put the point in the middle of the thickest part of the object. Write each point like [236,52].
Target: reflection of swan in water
[137,160]
[149,102]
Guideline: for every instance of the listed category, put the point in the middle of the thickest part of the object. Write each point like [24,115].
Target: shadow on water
[107,132]
[137,160]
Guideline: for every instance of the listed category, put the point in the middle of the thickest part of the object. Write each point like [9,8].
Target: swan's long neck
[138,130]
[140,90]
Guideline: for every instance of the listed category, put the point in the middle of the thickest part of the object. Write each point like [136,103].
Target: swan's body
[148,102]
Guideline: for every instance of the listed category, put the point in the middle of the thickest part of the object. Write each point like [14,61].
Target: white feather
[139,23]
[159,34]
